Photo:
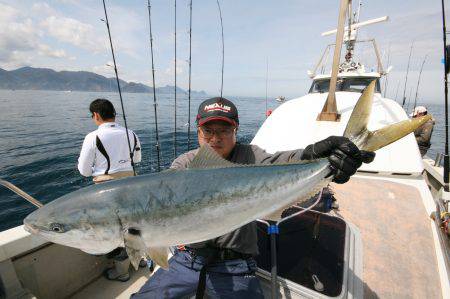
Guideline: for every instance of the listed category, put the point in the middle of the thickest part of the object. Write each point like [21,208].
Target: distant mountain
[47,79]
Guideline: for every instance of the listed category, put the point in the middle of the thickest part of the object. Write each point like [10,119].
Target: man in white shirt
[105,156]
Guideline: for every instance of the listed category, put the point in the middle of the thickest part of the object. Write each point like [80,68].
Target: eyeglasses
[221,133]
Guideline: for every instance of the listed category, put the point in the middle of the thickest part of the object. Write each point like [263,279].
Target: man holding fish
[225,265]
[208,202]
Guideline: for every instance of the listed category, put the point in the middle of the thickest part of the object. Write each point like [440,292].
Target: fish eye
[56,227]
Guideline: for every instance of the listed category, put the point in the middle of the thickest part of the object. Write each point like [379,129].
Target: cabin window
[344,84]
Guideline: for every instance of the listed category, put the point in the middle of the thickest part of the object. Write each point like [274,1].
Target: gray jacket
[244,239]
[423,135]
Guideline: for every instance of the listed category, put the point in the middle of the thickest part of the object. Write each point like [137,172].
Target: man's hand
[344,156]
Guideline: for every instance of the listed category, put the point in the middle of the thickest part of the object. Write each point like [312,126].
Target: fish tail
[357,131]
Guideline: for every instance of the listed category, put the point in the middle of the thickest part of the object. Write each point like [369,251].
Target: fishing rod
[223,47]
[407,71]
[386,76]
[190,63]
[396,93]
[175,88]
[158,152]
[21,193]
[418,81]
[446,159]
[267,80]
[409,100]
[118,87]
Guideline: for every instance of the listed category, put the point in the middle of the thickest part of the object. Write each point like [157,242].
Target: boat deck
[398,246]
[399,254]
[103,288]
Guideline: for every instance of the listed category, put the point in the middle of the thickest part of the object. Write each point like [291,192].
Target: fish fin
[208,158]
[160,256]
[357,131]
[359,118]
[384,136]
[135,246]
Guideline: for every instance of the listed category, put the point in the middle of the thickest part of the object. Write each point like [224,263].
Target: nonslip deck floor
[398,246]
[102,288]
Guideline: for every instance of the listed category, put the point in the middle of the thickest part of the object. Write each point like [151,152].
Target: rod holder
[438,160]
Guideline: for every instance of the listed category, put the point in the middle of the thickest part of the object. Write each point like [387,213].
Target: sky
[283,37]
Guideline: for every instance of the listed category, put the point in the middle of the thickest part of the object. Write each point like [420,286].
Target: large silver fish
[148,213]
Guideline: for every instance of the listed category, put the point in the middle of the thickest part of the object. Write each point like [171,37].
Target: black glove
[344,156]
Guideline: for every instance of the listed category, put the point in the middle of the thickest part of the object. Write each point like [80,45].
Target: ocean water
[41,133]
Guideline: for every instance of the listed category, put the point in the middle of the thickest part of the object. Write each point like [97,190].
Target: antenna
[386,77]
[358,25]
[359,11]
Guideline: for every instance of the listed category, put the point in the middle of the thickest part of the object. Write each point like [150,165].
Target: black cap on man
[217,109]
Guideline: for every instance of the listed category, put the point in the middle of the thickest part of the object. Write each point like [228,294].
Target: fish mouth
[29,224]
[30,228]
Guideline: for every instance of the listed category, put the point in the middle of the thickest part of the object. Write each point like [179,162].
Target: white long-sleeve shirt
[93,163]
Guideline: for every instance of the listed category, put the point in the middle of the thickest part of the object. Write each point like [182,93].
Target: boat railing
[321,65]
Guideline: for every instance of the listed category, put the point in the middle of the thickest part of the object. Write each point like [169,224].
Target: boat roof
[293,125]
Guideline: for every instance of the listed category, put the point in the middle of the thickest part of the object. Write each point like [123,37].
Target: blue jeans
[225,279]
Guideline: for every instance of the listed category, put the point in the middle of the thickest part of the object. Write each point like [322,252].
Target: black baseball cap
[217,109]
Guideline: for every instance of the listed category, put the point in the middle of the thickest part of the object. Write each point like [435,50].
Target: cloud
[21,39]
[14,59]
[16,37]
[18,33]
[8,13]
[182,65]
[43,9]
[45,50]
[19,36]
[73,32]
